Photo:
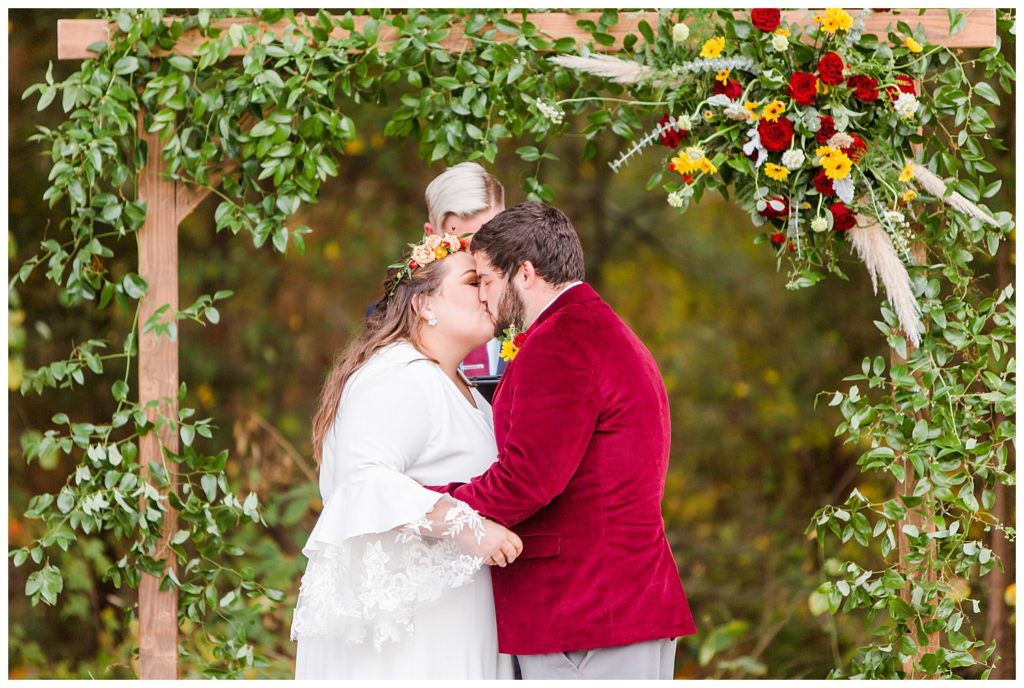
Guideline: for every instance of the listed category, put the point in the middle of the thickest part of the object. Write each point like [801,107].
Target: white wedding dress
[396,586]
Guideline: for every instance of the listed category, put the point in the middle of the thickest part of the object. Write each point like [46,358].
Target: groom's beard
[511,311]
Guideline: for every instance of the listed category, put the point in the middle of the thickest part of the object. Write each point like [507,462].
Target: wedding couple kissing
[463,540]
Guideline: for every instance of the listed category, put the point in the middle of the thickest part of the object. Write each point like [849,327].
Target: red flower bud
[830,69]
[842,217]
[803,88]
[864,87]
[766,20]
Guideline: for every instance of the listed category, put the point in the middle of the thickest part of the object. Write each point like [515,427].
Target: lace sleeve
[369,587]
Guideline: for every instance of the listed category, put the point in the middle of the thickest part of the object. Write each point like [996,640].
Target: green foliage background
[743,359]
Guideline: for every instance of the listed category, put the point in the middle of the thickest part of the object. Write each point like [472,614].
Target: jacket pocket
[541,546]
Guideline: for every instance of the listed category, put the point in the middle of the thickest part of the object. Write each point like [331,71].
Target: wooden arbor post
[169,202]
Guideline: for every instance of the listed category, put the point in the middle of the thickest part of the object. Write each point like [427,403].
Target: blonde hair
[394,319]
[462,190]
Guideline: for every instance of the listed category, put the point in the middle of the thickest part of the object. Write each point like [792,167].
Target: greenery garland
[279,113]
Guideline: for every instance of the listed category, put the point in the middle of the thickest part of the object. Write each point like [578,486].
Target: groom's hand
[507,551]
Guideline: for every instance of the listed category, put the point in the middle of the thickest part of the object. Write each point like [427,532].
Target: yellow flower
[508,350]
[834,19]
[708,115]
[773,110]
[837,165]
[723,76]
[693,160]
[776,172]
[823,151]
[713,47]
[805,205]
[909,196]
[908,172]
[821,87]
[782,32]
[1010,595]
[913,46]
[683,164]
[752,108]
[440,252]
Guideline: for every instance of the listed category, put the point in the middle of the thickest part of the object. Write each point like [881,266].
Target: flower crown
[432,247]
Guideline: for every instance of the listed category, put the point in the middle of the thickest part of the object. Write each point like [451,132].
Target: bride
[395,586]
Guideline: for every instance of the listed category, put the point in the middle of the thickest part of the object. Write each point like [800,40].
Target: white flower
[780,43]
[695,153]
[906,105]
[675,199]
[680,32]
[433,241]
[454,244]
[423,255]
[738,113]
[550,111]
[895,218]
[684,123]
[819,224]
[793,159]
[840,140]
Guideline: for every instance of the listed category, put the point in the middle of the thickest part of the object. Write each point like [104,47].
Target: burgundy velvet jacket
[582,424]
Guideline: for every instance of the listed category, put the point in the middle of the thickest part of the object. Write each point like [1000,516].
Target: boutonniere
[511,341]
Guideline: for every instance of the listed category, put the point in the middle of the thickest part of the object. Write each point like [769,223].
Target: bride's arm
[381,430]
[478,536]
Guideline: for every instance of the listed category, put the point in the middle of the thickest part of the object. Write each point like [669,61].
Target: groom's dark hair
[535,232]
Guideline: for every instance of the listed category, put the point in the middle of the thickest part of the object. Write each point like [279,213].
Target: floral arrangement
[432,247]
[511,341]
[811,130]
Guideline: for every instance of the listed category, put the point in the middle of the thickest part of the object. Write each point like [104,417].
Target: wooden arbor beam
[74,36]
[170,202]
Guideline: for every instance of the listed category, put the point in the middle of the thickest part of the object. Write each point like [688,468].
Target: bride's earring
[432,321]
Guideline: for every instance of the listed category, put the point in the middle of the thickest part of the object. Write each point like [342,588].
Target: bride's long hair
[395,319]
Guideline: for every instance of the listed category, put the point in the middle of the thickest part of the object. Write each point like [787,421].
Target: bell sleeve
[384,547]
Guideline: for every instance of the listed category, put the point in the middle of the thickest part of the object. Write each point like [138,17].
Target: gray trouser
[654,659]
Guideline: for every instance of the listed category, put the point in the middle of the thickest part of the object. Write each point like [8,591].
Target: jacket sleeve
[555,406]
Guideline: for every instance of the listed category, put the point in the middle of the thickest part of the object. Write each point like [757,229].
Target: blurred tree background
[743,360]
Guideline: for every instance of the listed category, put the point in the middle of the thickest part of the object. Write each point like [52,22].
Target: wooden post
[158,379]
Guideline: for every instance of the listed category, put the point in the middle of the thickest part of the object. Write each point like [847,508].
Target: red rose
[830,69]
[803,88]
[732,89]
[771,212]
[778,238]
[904,84]
[842,217]
[792,247]
[823,184]
[775,136]
[413,265]
[826,130]
[864,87]
[671,138]
[463,242]
[856,149]
[519,339]
[688,179]
[766,20]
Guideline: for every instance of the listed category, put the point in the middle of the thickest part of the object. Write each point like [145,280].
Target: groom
[581,420]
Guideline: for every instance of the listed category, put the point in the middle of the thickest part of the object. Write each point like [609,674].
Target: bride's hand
[510,547]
